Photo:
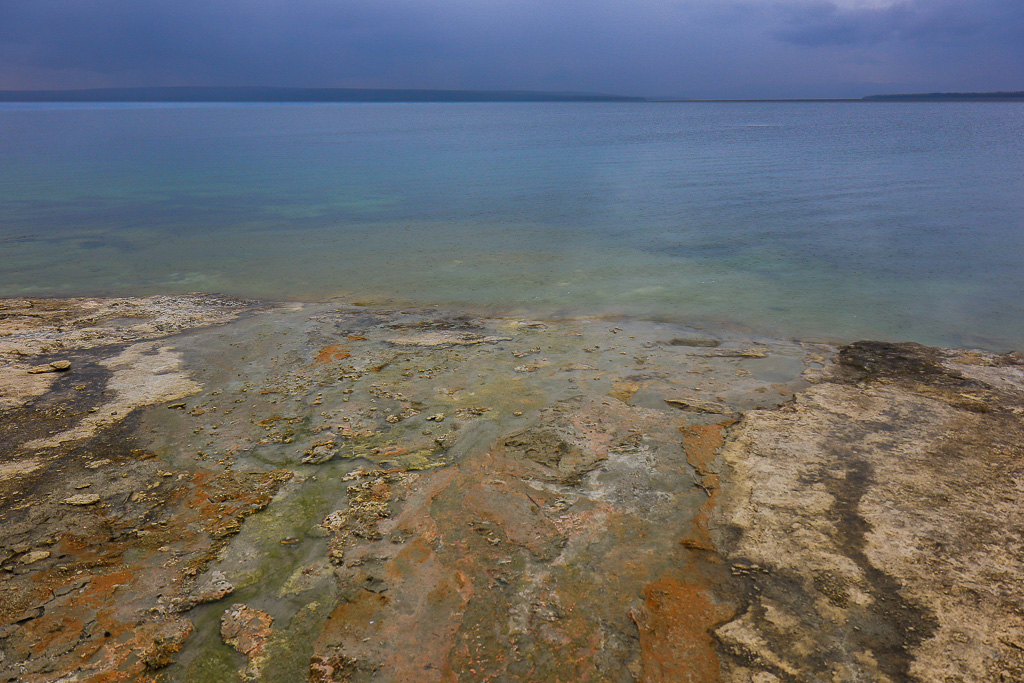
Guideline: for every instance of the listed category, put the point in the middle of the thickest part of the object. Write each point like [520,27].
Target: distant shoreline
[910,97]
[268,94]
[190,94]
[1017,96]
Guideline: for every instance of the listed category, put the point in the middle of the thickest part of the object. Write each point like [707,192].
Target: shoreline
[240,489]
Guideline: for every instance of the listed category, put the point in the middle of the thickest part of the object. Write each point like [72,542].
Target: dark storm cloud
[921,21]
[818,24]
[194,39]
[654,47]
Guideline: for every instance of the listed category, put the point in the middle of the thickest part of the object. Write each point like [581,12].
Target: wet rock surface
[883,506]
[215,491]
[247,630]
[98,535]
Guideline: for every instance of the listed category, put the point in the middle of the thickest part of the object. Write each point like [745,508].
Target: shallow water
[274,388]
[815,220]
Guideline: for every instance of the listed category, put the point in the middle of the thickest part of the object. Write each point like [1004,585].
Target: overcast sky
[685,48]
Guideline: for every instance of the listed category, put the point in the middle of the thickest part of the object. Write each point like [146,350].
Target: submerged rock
[212,590]
[571,367]
[167,639]
[700,342]
[320,453]
[246,629]
[446,338]
[700,406]
[560,459]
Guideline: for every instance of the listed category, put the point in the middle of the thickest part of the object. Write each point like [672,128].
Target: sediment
[202,488]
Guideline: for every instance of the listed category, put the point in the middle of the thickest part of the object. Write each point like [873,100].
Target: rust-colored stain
[331,353]
[407,629]
[356,337]
[701,444]
[101,620]
[675,624]
[477,570]
[679,613]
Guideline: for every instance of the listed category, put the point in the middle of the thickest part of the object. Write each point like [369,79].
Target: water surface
[816,220]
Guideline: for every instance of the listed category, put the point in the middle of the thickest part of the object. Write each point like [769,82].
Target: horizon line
[284,94]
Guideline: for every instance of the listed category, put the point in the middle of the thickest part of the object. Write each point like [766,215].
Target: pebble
[55,366]
[82,499]
[35,556]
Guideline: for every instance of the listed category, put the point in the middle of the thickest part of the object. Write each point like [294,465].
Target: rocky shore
[200,488]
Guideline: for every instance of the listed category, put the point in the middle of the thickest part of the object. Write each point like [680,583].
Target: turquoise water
[815,220]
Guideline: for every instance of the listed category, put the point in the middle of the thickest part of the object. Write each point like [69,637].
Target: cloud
[717,48]
[823,23]
[924,22]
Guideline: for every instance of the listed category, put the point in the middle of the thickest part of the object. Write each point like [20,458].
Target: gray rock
[82,499]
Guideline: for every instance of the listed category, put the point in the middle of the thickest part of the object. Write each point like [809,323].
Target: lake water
[826,221]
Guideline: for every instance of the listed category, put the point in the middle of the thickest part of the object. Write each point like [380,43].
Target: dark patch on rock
[67,401]
[451,322]
[560,459]
[893,360]
[906,454]
[699,342]
[543,446]
[899,624]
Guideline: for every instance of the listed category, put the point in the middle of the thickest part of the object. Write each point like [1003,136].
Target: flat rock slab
[441,339]
[882,507]
[55,366]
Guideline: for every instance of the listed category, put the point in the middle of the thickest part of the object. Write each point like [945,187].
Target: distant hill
[266,94]
[950,96]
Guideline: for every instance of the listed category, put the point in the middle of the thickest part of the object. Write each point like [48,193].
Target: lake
[827,221]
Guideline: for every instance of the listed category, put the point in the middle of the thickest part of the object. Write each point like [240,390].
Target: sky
[649,48]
